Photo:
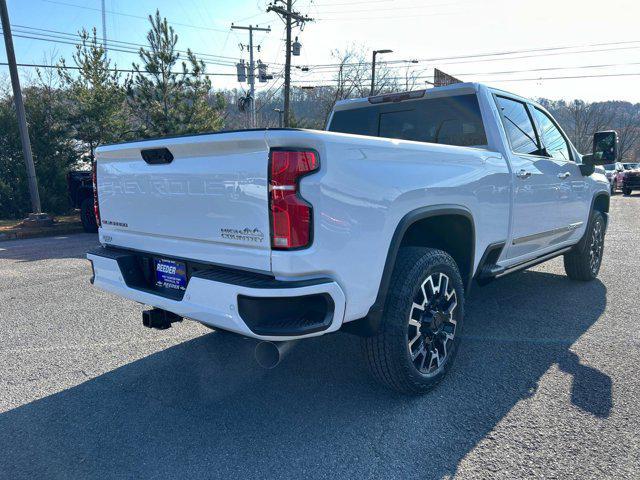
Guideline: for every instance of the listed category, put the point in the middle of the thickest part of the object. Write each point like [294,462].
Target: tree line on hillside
[78,106]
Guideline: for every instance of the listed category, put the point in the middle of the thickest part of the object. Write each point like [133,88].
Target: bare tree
[627,124]
[586,119]
[411,79]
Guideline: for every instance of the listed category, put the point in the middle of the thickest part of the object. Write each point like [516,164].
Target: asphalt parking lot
[546,384]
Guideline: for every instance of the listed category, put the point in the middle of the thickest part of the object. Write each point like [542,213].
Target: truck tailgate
[209,203]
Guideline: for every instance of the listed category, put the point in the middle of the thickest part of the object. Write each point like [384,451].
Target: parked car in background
[80,190]
[610,173]
[627,177]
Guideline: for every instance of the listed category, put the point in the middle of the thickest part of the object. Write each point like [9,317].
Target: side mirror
[605,147]
[605,150]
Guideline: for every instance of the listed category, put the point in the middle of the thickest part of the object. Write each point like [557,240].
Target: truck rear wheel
[87,216]
[422,322]
[583,262]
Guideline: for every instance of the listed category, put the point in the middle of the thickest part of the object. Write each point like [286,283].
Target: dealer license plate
[171,274]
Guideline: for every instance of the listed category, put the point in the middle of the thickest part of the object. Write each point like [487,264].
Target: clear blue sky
[432,31]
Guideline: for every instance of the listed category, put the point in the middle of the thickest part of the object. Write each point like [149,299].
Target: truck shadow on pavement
[203,409]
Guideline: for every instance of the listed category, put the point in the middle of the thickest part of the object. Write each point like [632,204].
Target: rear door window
[454,120]
[552,139]
[519,126]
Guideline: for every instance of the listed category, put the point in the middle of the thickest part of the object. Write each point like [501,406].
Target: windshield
[610,167]
[630,166]
[453,120]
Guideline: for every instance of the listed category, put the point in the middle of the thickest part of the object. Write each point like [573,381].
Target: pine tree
[96,95]
[166,101]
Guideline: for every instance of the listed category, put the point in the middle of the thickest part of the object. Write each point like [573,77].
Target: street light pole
[20,113]
[373,68]
[279,111]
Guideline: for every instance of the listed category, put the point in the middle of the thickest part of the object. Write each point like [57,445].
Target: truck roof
[456,88]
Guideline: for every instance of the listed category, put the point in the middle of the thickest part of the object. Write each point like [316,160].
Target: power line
[133,16]
[123,70]
[270,97]
[389,64]
[121,49]
[62,35]
[364,82]
[505,72]
[315,4]
[386,17]
[489,54]
[569,77]
[118,48]
[391,9]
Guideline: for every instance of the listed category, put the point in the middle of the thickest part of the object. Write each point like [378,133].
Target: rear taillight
[96,205]
[291,215]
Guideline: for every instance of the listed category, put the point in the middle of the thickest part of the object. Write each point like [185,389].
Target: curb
[49,232]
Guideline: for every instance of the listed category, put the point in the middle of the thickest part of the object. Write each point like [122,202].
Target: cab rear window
[454,120]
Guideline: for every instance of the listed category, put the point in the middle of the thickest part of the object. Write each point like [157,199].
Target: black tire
[626,191]
[389,353]
[583,262]
[87,216]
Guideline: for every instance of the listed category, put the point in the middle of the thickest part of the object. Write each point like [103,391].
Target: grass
[7,225]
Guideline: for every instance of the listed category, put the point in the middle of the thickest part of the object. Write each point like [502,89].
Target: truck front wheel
[422,322]
[583,262]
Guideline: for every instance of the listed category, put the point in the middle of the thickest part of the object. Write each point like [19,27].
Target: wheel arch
[601,202]
[419,228]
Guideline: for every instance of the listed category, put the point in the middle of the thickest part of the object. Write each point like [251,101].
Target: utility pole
[252,72]
[104,27]
[291,19]
[20,113]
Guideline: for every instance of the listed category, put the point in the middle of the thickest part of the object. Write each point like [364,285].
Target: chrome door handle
[523,174]
[564,175]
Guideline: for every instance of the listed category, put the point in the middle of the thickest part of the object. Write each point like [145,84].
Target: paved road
[546,384]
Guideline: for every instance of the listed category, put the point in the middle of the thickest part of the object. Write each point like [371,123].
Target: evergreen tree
[96,95]
[166,101]
[53,149]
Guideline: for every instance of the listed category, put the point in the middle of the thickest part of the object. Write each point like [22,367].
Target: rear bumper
[256,306]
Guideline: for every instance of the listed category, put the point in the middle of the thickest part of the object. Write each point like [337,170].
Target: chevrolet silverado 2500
[377,226]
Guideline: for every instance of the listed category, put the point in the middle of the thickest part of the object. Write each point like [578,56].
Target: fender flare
[368,325]
[599,194]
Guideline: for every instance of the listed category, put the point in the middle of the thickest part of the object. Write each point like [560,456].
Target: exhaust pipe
[269,354]
[159,319]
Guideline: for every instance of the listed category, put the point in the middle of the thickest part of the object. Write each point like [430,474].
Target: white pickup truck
[377,226]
